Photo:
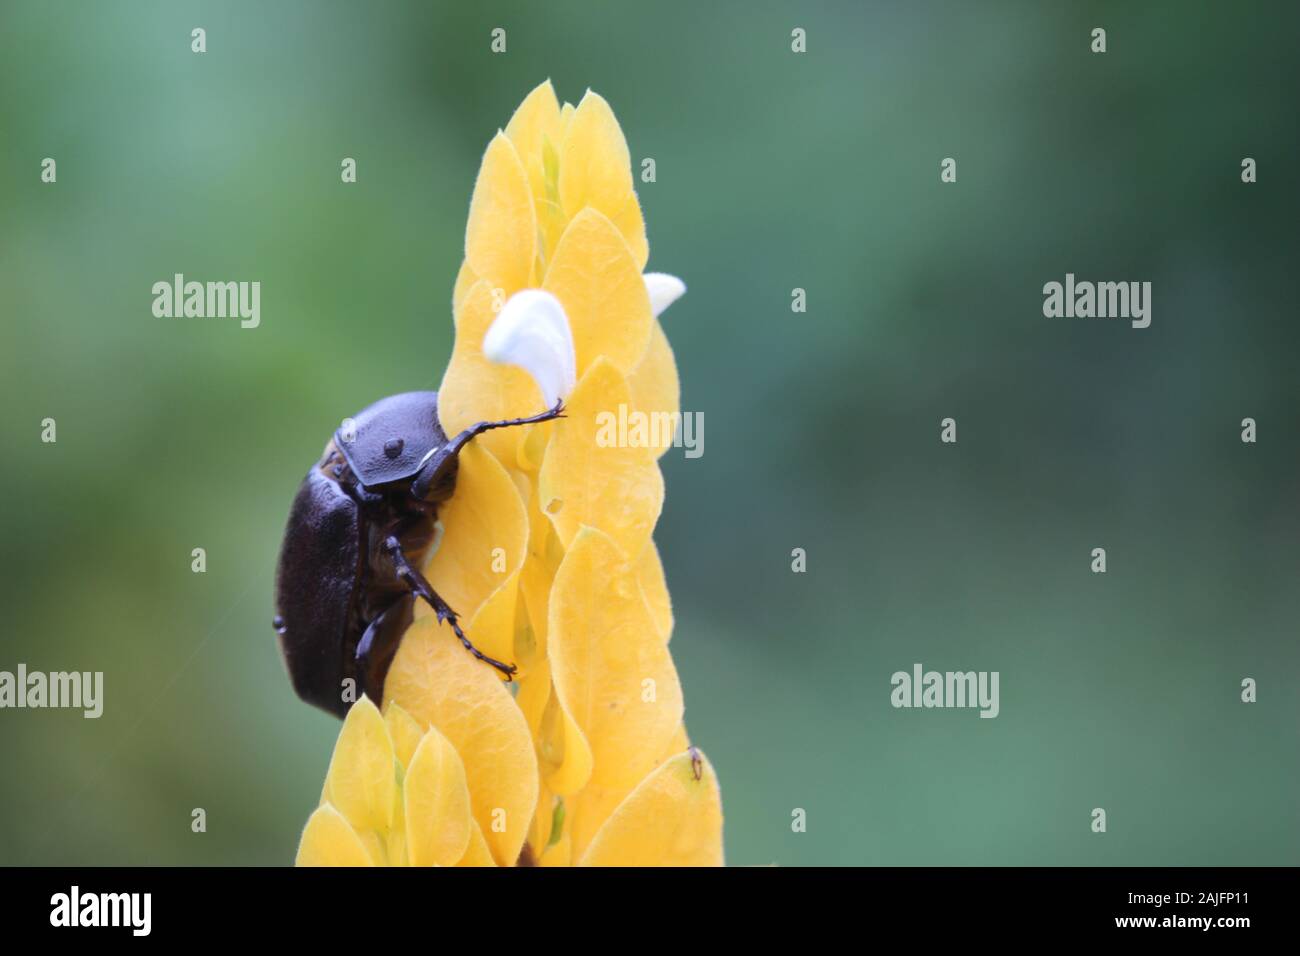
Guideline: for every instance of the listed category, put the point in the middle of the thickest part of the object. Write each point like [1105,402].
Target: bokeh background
[775,171]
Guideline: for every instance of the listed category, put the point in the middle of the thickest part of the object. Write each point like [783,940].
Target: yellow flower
[394,795]
[547,552]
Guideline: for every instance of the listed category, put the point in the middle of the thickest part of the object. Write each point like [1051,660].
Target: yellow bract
[329,840]
[501,236]
[673,818]
[536,122]
[596,172]
[547,557]
[436,804]
[593,275]
[404,731]
[360,781]
[395,794]
[440,685]
[589,478]
[537,131]
[610,665]
[565,753]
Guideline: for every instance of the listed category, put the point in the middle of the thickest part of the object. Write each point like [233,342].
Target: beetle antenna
[432,462]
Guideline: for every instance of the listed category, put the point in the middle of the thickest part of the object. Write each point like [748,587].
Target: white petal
[533,333]
[664,290]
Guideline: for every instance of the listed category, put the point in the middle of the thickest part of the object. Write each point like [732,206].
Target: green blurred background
[775,171]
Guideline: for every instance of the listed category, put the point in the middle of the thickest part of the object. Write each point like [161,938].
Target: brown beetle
[359,530]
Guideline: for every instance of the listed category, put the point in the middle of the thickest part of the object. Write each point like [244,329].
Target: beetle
[361,525]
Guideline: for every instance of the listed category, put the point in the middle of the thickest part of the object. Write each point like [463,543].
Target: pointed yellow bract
[596,171]
[563,755]
[501,236]
[566,755]
[440,685]
[673,818]
[589,478]
[436,804]
[593,275]
[361,779]
[329,840]
[404,732]
[610,666]
[537,131]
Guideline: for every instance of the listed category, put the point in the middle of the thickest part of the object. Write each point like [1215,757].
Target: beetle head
[388,442]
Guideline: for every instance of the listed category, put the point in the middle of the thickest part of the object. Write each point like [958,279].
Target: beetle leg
[368,638]
[377,646]
[421,587]
[420,487]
